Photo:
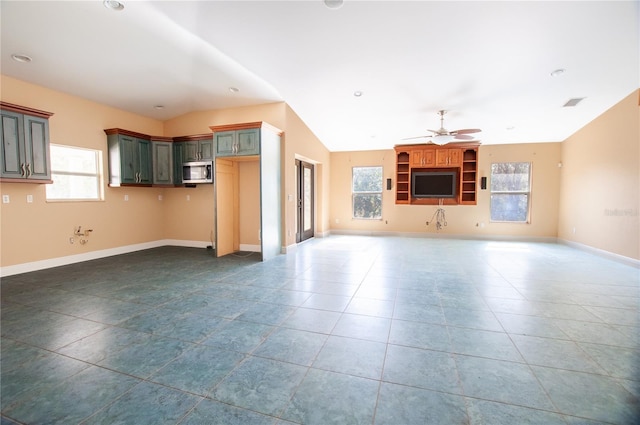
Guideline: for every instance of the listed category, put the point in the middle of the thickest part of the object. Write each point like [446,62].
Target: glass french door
[304,214]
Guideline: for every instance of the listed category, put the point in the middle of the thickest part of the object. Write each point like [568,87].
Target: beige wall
[301,143]
[462,220]
[601,182]
[41,230]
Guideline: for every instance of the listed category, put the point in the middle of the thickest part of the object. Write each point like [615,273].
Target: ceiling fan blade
[464,137]
[467,131]
[417,137]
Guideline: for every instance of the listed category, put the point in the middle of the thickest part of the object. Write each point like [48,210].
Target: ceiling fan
[443,136]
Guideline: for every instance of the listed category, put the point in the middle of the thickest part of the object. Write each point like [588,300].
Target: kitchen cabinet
[162,161]
[24,146]
[198,150]
[129,158]
[237,142]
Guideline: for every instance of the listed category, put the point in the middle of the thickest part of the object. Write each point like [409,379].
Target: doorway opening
[304,201]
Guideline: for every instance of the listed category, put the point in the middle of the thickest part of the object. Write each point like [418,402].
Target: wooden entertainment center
[458,158]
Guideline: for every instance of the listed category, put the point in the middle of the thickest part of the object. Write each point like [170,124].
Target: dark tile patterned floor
[344,330]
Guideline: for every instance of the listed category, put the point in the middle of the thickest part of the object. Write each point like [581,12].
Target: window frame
[527,219]
[99,175]
[355,193]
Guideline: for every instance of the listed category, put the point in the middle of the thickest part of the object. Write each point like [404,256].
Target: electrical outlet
[5,199]
[159,197]
[29,199]
[188,197]
[126,197]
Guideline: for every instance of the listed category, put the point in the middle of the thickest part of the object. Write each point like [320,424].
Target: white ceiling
[488,63]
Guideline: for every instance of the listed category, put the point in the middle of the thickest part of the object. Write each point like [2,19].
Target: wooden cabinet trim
[24,110]
[193,138]
[246,125]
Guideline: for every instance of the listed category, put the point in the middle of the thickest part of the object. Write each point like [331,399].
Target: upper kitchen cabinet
[162,160]
[196,148]
[129,158]
[240,142]
[24,146]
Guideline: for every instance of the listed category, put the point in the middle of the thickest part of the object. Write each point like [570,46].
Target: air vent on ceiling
[573,102]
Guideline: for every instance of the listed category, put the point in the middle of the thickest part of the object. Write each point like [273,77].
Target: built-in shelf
[457,157]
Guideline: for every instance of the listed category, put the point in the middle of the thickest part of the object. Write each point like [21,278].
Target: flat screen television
[433,184]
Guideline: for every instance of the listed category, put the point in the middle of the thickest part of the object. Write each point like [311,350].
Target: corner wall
[600,179]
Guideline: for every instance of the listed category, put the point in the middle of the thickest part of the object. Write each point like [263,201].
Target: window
[510,191]
[366,187]
[76,174]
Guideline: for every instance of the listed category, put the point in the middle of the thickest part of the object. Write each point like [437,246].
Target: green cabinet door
[128,159]
[13,149]
[145,169]
[225,143]
[178,158]
[248,142]
[206,150]
[162,162]
[36,136]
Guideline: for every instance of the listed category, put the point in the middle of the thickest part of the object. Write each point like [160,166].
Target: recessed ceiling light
[21,58]
[509,128]
[333,4]
[558,72]
[234,89]
[158,107]
[357,93]
[113,4]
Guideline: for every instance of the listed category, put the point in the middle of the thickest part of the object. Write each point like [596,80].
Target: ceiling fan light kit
[442,139]
[443,136]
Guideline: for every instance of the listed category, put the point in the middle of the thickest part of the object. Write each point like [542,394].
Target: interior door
[305,210]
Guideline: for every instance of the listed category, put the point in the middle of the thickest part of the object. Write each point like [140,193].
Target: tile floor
[346,330]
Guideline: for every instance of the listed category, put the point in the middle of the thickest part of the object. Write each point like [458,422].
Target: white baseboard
[602,253]
[94,255]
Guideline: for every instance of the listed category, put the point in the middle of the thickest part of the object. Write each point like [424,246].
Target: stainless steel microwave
[197,172]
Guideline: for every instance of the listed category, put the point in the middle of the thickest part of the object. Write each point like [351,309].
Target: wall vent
[573,102]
